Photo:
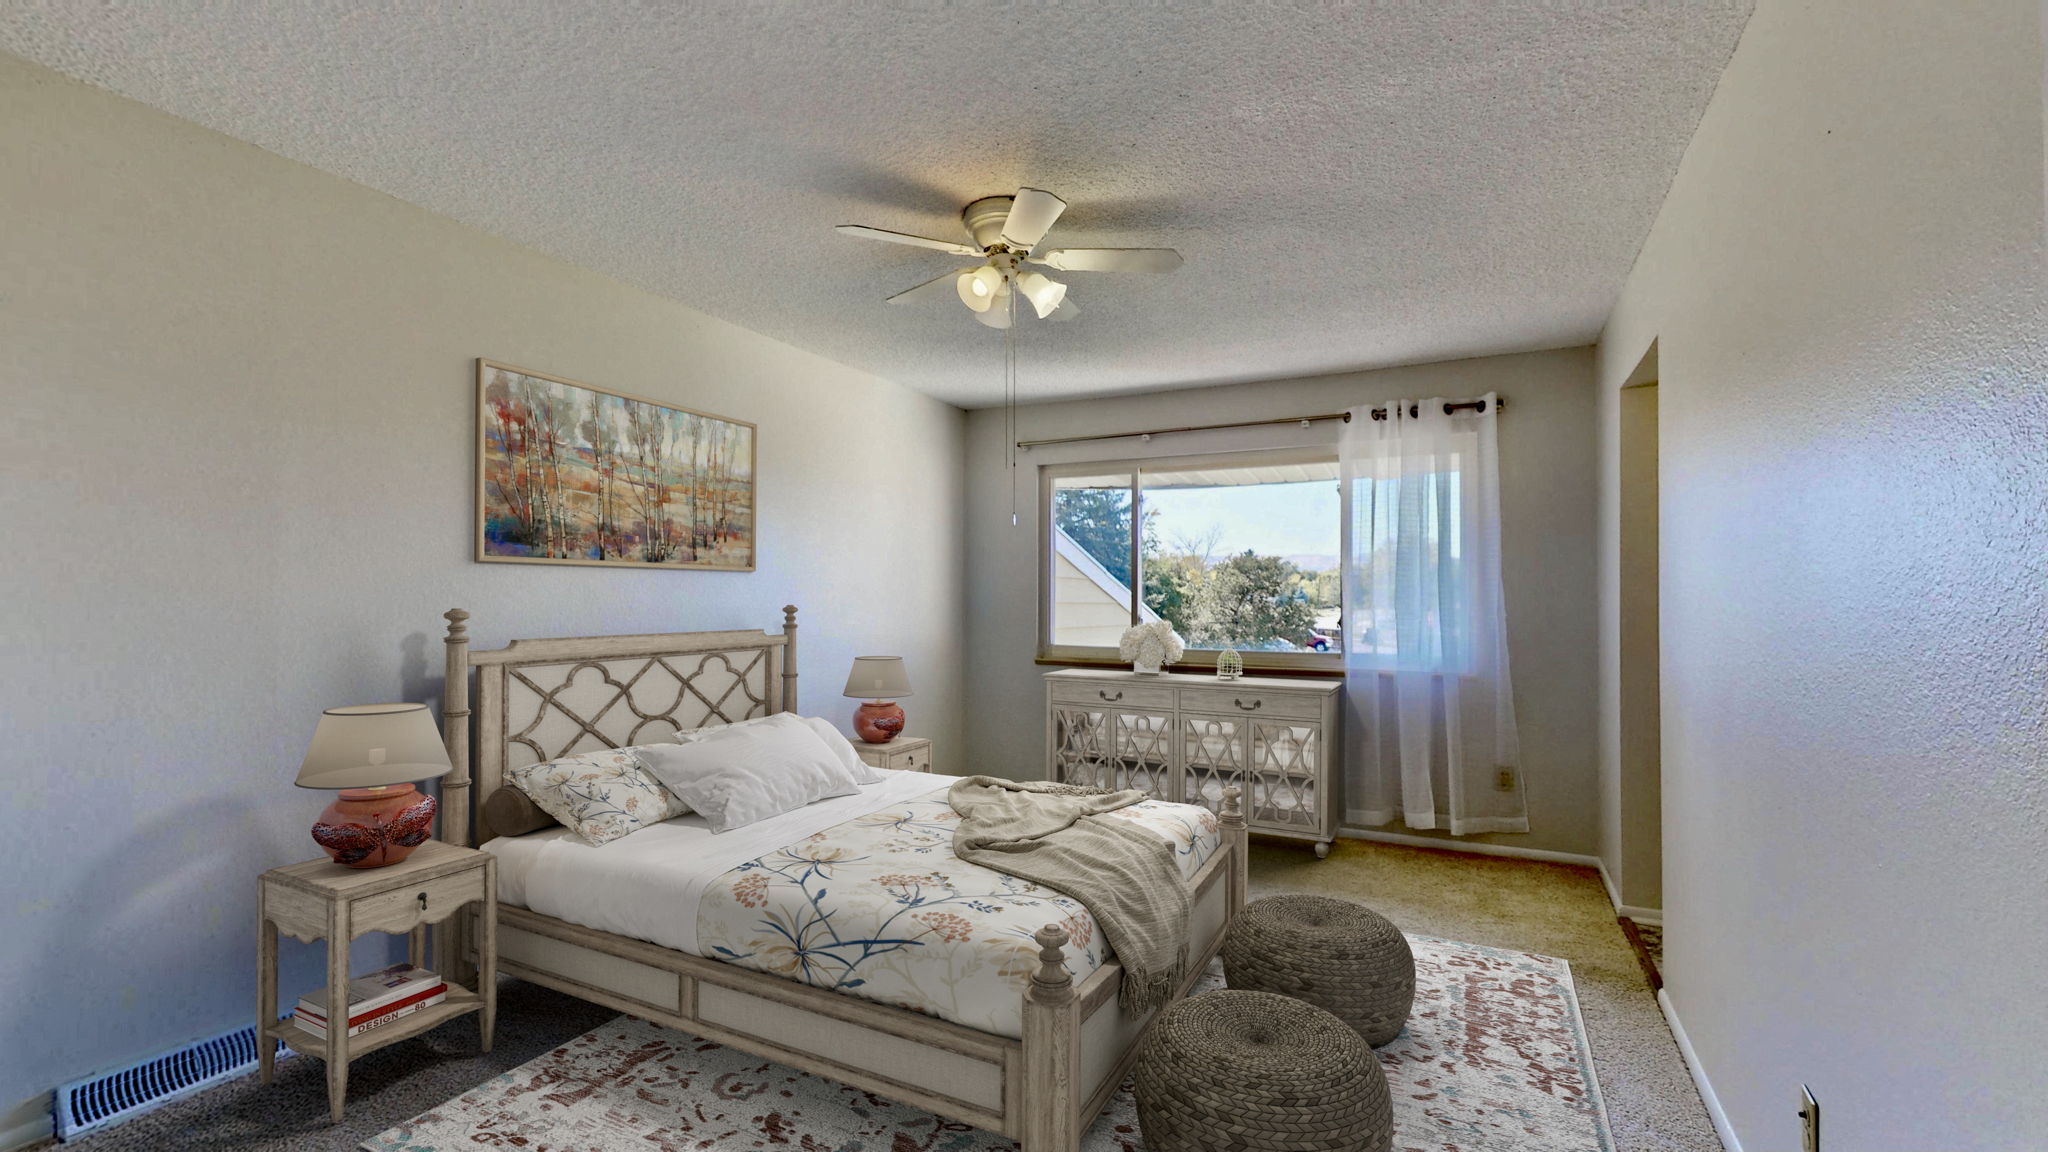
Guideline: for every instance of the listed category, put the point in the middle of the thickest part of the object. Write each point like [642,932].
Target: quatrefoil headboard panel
[541,700]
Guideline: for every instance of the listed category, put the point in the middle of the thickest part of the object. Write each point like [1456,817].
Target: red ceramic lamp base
[375,827]
[878,721]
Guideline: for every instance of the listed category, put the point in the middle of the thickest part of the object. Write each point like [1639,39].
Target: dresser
[1186,738]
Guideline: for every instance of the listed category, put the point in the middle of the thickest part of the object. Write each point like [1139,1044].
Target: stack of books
[375,1000]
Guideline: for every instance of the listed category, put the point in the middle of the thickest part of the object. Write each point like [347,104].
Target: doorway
[1641,698]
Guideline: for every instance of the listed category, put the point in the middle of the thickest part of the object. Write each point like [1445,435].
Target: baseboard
[1699,1075]
[1654,917]
[1475,847]
[29,1123]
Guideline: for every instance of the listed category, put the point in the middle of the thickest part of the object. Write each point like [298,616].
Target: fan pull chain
[1010,397]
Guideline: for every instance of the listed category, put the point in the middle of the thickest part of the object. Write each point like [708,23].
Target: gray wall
[1846,290]
[238,489]
[1548,489]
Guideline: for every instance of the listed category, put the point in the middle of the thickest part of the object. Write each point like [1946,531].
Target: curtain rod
[1345,417]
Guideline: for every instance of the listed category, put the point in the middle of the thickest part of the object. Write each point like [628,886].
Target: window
[1235,552]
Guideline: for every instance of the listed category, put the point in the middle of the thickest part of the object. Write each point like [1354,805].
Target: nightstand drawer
[429,902]
[1243,702]
[903,754]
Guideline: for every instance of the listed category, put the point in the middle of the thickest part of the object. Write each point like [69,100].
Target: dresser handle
[1108,697]
[423,901]
[1254,706]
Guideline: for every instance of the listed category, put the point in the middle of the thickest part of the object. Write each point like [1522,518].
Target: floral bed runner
[879,907]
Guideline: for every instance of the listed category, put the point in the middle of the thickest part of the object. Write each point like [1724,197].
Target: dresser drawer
[1111,695]
[429,902]
[1244,702]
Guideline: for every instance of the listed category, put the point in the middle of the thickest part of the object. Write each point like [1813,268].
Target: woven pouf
[1234,1071]
[1348,960]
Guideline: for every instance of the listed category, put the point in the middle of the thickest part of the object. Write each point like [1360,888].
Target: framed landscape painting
[568,473]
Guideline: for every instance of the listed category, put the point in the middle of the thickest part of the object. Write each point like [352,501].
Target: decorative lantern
[1229,665]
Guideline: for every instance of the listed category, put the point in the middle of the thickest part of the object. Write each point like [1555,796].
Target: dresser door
[1142,753]
[1284,776]
[1080,746]
[1211,757]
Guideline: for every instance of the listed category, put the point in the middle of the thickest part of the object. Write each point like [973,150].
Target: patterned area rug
[1494,1058]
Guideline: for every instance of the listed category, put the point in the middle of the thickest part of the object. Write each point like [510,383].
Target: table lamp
[373,753]
[878,680]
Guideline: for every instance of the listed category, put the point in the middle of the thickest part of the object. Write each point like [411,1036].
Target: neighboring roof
[1116,590]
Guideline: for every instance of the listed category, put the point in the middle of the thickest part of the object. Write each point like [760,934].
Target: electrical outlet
[1809,1120]
[1506,781]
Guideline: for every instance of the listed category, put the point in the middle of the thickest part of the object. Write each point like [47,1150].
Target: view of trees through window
[1243,557]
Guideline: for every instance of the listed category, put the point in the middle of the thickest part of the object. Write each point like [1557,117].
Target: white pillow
[685,735]
[840,746]
[743,773]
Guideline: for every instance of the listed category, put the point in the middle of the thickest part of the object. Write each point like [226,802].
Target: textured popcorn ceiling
[1352,187]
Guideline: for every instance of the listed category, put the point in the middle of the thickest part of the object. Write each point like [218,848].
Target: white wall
[237,443]
[1548,490]
[1846,290]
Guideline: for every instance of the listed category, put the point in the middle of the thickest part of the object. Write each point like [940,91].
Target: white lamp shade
[371,745]
[877,678]
[978,289]
[1044,292]
[997,314]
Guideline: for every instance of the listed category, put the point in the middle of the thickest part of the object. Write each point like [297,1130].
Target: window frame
[1329,663]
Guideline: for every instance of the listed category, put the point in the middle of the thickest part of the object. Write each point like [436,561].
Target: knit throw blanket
[1054,835]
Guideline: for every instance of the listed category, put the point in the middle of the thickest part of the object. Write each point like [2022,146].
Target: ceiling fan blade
[929,287]
[868,233]
[1031,215]
[1109,259]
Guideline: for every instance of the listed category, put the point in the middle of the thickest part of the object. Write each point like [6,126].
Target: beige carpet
[1554,909]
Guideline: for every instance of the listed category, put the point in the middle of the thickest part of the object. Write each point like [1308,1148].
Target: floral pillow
[600,796]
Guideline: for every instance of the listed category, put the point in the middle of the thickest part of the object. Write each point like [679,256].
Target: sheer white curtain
[1425,627]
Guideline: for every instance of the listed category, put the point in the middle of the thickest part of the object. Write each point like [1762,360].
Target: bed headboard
[543,699]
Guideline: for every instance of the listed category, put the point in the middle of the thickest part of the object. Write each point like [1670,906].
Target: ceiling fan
[1007,233]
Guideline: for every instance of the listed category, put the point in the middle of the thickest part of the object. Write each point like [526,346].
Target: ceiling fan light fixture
[980,287]
[1043,291]
[996,311]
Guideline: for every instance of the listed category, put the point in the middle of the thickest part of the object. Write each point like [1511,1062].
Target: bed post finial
[789,658]
[1051,984]
[455,731]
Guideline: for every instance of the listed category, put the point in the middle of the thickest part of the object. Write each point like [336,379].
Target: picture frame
[574,473]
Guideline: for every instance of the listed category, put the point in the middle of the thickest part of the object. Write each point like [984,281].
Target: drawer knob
[1106,696]
[1254,706]
[423,901]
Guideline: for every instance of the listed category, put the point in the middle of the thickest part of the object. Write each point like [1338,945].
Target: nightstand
[323,900]
[903,754]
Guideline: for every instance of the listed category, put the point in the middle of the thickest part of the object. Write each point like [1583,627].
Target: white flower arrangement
[1150,646]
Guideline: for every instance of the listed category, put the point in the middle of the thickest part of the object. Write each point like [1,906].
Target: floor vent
[89,1105]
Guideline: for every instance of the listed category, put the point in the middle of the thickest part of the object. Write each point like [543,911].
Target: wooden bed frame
[540,699]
